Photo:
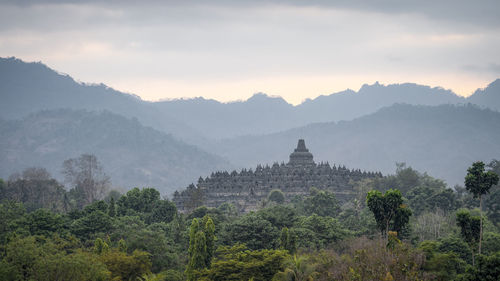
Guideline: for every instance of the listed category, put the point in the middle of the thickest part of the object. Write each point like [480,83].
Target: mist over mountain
[262,114]
[374,141]
[30,87]
[442,140]
[487,97]
[132,154]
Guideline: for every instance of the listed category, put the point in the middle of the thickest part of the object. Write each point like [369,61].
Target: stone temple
[247,189]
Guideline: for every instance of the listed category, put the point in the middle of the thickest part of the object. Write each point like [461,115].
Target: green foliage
[276,196]
[318,232]
[298,268]
[201,245]
[321,202]
[44,222]
[487,268]
[138,201]
[479,182]
[122,246]
[491,243]
[279,216]
[12,220]
[39,259]
[288,241]
[445,266]
[35,189]
[151,238]
[92,224]
[236,263]
[388,209]
[407,179]
[469,226]
[252,230]
[427,199]
[76,266]
[163,211]
[112,208]
[126,267]
[359,222]
[147,204]
[100,246]
[369,260]
[173,275]
[453,244]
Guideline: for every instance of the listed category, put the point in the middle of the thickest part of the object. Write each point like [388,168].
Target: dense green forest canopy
[404,226]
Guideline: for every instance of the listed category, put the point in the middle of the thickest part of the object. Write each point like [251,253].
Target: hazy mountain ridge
[30,87]
[443,140]
[262,114]
[133,155]
[487,97]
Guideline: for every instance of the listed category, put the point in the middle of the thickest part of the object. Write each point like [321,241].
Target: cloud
[196,45]
[481,12]
[489,68]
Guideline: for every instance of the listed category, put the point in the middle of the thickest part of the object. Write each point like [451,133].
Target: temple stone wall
[247,188]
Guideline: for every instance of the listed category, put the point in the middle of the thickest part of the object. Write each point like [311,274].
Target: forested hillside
[132,155]
[31,87]
[441,140]
[405,226]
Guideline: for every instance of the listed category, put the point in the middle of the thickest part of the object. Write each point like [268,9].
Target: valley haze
[46,115]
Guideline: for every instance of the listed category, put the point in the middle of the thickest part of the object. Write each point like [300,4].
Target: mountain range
[371,128]
[132,154]
[441,140]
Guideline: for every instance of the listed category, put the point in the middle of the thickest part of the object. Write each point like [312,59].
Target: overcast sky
[228,50]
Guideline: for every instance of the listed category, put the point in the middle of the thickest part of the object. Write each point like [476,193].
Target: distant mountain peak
[489,96]
[263,97]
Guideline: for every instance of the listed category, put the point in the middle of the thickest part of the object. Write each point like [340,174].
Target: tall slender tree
[478,182]
[201,245]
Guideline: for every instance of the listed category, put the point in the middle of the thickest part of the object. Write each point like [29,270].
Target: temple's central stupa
[247,188]
[301,155]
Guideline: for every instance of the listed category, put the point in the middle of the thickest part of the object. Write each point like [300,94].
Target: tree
[126,267]
[288,241]
[238,263]
[487,268]
[318,232]
[91,224]
[36,189]
[163,211]
[146,201]
[321,202]
[277,196]
[279,216]
[201,245]
[87,177]
[100,246]
[44,222]
[479,182]
[112,208]
[252,230]
[388,209]
[470,228]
